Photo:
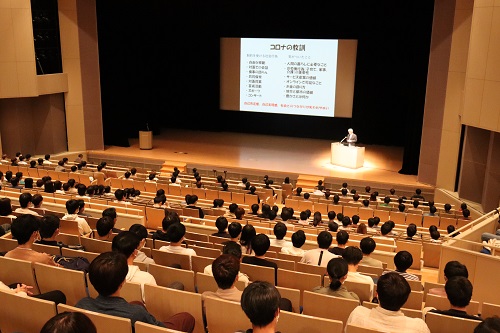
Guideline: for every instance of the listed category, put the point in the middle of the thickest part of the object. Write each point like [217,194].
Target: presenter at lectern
[351,138]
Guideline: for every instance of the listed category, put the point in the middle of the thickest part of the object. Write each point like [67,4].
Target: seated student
[49,229]
[176,234]
[72,207]
[337,272]
[303,219]
[37,201]
[298,240]
[234,249]
[418,195]
[451,269]
[331,216]
[221,224]
[451,230]
[333,226]
[142,232]
[403,260]
[355,200]
[393,292]
[247,234]
[367,246]
[239,213]
[25,230]
[193,199]
[342,238]
[255,209]
[107,273]
[320,256]
[111,212]
[279,231]
[261,303]
[459,293]
[127,243]
[353,257]
[22,290]
[385,231]
[234,230]
[81,208]
[169,219]
[346,224]
[260,245]
[265,211]
[435,236]
[25,203]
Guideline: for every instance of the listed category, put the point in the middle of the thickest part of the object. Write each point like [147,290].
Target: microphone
[343,139]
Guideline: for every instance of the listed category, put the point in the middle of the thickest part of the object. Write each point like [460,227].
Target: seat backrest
[439,323]
[164,302]
[320,305]
[70,282]
[489,310]
[24,314]
[190,212]
[217,311]
[351,210]
[442,303]
[351,328]
[141,327]
[69,227]
[298,280]
[15,270]
[415,248]
[414,300]
[7,244]
[293,295]
[429,285]
[284,264]
[95,245]
[370,269]
[169,259]
[296,323]
[103,322]
[415,285]
[361,289]
[164,276]
[67,252]
[431,254]
[199,263]
[260,273]
[54,250]
[398,217]
[289,257]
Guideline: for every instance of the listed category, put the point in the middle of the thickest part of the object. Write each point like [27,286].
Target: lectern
[145,139]
[347,156]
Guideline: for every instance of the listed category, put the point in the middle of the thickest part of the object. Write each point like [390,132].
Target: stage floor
[282,155]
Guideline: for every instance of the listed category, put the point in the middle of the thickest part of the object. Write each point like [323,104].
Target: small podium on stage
[145,139]
[347,156]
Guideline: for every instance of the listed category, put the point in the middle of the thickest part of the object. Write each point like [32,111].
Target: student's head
[28,182]
[126,243]
[336,198]
[367,245]
[366,202]
[432,209]
[317,218]
[139,230]
[234,229]
[450,228]
[260,301]
[393,291]
[111,212]
[298,190]
[411,230]
[386,228]
[49,224]
[455,268]
[280,230]
[306,195]
[342,237]
[176,232]
[488,325]
[169,219]
[337,271]
[331,215]
[403,260]
[447,207]
[344,192]
[333,226]
[466,213]
[247,234]
[346,221]
[435,235]
[104,226]
[324,239]
[303,215]
[232,248]
[401,207]
[5,207]
[355,197]
[25,199]
[255,208]
[225,269]
[239,212]
[459,291]
[107,272]
[352,254]
[72,206]
[69,322]
[260,244]
[24,227]
[432,228]
[298,238]
[232,207]
[221,223]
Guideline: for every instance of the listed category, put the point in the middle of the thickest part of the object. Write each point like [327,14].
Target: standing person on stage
[351,138]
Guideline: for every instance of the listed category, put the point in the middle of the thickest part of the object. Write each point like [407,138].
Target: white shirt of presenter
[351,138]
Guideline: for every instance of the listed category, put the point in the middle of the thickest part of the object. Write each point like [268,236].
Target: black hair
[260,244]
[411,230]
[69,322]
[337,268]
[139,230]
[233,248]
[489,325]
[459,291]
[298,238]
[23,227]
[221,223]
[110,211]
[247,234]
[324,239]
[280,230]
[169,219]
[176,232]
[403,260]
[352,254]
[331,215]
[333,226]
[104,225]
[260,301]
[234,229]
[367,245]
[386,228]
[48,225]
[393,291]
[72,206]
[454,268]
[107,272]
[126,242]
[25,199]
[342,237]
[5,206]
[225,269]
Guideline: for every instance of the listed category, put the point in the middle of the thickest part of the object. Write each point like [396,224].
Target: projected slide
[288,76]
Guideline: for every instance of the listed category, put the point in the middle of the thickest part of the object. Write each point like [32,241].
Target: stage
[261,154]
